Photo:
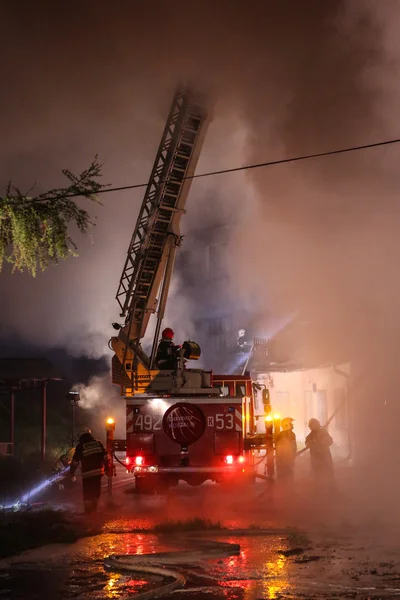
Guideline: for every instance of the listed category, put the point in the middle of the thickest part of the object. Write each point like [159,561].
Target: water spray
[25,499]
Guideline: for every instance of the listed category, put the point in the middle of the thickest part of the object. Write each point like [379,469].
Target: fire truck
[182,424]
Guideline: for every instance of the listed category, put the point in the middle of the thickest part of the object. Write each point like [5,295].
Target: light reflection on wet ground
[340,563]
[260,571]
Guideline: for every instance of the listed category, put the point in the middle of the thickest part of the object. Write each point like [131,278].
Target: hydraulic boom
[146,276]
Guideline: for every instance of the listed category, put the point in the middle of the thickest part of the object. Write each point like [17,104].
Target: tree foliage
[34,231]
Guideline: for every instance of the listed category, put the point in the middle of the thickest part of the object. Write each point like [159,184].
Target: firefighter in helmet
[243,343]
[60,466]
[167,351]
[319,442]
[92,456]
[285,451]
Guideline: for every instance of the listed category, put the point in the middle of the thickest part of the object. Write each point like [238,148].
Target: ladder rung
[185,143]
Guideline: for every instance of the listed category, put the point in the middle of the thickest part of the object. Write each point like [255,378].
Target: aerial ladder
[146,276]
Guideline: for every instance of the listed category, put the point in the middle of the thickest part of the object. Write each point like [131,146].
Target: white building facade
[321,393]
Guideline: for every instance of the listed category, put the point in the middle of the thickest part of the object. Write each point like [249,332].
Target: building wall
[217,313]
[311,393]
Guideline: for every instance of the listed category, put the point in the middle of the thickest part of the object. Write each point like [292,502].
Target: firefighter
[61,465]
[285,451]
[92,456]
[243,343]
[167,351]
[318,442]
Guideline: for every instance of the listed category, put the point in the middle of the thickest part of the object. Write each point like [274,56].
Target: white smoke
[100,400]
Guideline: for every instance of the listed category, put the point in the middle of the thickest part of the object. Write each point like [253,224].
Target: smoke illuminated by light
[26,498]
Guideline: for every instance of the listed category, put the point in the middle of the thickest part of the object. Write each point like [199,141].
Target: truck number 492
[147,423]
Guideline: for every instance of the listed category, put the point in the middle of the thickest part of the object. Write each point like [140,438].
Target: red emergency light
[229,459]
[139,460]
[127,460]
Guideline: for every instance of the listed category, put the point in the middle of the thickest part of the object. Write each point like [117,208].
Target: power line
[235,169]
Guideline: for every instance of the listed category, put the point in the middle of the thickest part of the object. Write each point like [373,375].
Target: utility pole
[74,398]
[44,419]
[12,420]
[110,428]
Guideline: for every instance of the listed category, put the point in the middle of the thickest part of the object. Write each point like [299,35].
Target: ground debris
[307,559]
[291,552]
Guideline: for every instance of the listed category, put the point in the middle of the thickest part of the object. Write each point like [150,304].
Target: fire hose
[139,563]
[300,452]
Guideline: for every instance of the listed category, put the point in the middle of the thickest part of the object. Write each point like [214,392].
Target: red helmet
[168,333]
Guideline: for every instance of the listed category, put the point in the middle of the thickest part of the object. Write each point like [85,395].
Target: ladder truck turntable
[179,425]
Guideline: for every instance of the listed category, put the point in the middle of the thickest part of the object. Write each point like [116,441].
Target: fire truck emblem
[184,423]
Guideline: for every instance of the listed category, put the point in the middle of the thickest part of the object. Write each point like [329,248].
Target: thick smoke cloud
[288,78]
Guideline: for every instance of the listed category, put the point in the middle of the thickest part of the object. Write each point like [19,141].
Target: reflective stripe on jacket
[91,454]
[92,473]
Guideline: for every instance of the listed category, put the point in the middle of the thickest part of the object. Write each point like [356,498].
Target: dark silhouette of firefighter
[61,467]
[167,351]
[243,342]
[92,456]
[319,442]
[285,451]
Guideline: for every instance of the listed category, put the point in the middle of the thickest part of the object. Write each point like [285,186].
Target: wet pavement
[267,567]
[353,557]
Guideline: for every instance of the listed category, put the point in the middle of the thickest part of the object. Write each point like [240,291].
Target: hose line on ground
[178,579]
[139,563]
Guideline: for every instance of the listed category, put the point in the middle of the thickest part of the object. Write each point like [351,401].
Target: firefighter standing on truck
[167,351]
[92,456]
[285,451]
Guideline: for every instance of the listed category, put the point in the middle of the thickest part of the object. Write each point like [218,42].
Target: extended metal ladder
[163,202]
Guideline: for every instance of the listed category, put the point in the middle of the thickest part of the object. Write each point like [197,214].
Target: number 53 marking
[224,421]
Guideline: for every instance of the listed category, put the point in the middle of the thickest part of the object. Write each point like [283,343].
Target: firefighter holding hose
[92,456]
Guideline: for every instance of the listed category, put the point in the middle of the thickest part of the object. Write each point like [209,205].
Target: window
[322,409]
[340,405]
[240,390]
[224,390]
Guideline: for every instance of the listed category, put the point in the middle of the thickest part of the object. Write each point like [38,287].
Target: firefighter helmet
[314,424]
[85,430]
[85,436]
[287,423]
[168,333]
